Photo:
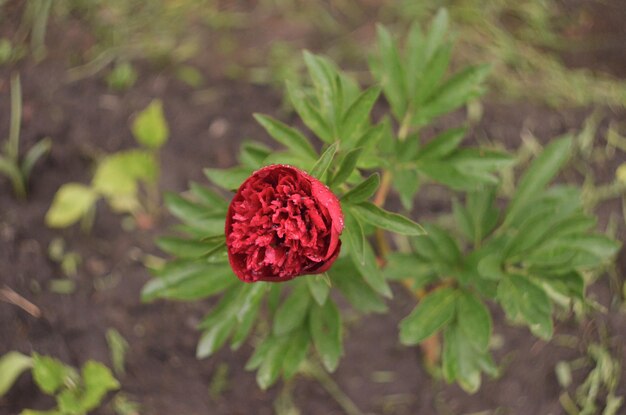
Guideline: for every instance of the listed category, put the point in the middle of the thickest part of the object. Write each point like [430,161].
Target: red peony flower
[282,223]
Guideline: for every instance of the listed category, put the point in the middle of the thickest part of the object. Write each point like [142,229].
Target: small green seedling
[127,180]
[11,165]
[122,77]
[75,393]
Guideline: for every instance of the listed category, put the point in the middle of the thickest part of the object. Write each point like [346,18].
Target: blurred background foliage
[530,43]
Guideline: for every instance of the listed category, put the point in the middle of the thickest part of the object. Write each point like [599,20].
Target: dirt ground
[163,375]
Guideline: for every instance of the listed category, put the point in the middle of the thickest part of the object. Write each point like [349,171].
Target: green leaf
[272,363]
[432,313]
[71,202]
[208,197]
[186,248]
[308,113]
[541,171]
[463,220]
[447,250]
[98,381]
[49,374]
[189,281]
[474,319]
[260,351]
[346,167]
[228,179]
[373,135]
[119,173]
[368,268]
[326,332]
[449,175]
[480,216]
[522,299]
[12,365]
[443,144]
[357,115]
[215,337]
[491,266]
[249,297]
[354,233]
[324,78]
[287,136]
[253,154]
[456,91]
[414,53]
[208,220]
[246,321]
[363,191]
[571,284]
[434,72]
[34,154]
[359,294]
[462,361]
[296,352]
[293,311]
[118,346]
[383,219]
[407,183]
[150,128]
[403,266]
[318,288]
[391,74]
[321,166]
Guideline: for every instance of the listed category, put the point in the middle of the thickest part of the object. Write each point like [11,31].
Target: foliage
[526,40]
[16,168]
[75,393]
[603,378]
[525,257]
[127,179]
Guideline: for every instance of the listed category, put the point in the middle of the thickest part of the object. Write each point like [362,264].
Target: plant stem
[315,371]
[13,146]
[379,200]
[405,126]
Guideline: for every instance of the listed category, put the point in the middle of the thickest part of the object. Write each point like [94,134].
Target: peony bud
[282,223]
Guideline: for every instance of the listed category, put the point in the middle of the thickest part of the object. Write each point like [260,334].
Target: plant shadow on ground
[163,375]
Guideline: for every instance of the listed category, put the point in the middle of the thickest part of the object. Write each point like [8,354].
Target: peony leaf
[228,179]
[293,311]
[322,165]
[346,167]
[357,115]
[361,296]
[523,299]
[272,363]
[318,288]
[538,175]
[308,113]
[432,313]
[443,144]
[287,136]
[363,191]
[383,219]
[296,352]
[326,331]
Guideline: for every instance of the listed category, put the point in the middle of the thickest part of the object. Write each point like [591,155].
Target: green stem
[605,192]
[40,21]
[405,126]
[315,371]
[19,186]
[13,147]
